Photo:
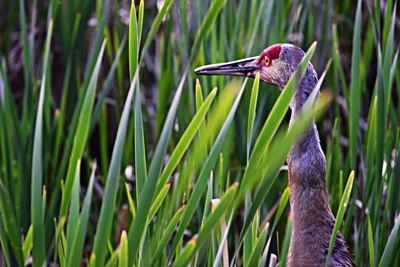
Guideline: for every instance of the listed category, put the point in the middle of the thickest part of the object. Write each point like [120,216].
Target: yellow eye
[267,61]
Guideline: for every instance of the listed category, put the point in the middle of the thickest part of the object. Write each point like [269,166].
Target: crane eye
[267,61]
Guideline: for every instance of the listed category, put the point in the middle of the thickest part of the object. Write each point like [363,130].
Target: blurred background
[363,80]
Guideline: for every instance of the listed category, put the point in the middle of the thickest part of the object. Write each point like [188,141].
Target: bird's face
[275,65]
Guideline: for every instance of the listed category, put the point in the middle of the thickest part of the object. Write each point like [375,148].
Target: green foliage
[113,152]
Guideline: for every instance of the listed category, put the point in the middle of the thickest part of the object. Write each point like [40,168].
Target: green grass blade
[140,151]
[130,201]
[206,171]
[107,208]
[105,90]
[38,250]
[154,27]
[147,194]
[4,244]
[112,261]
[187,252]
[199,102]
[123,253]
[207,23]
[58,244]
[224,204]
[371,245]
[140,21]
[73,214]
[79,232]
[286,242]
[133,42]
[81,134]
[27,245]
[392,247]
[355,89]
[340,214]
[282,205]
[252,112]
[206,229]
[167,234]
[256,254]
[186,139]
[158,200]
[9,223]
[223,245]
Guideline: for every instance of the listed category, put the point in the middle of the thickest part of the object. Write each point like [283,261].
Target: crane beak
[243,67]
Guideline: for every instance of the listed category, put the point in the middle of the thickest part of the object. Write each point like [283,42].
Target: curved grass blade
[130,201]
[223,246]
[282,205]
[140,151]
[206,171]
[186,139]
[154,27]
[199,102]
[210,222]
[123,253]
[371,249]
[392,246]
[38,250]
[286,242]
[59,251]
[256,254]
[4,245]
[73,214]
[252,112]
[74,253]
[95,50]
[187,252]
[27,245]
[140,21]
[206,26]
[355,89]
[107,208]
[9,223]
[133,42]
[340,214]
[81,134]
[223,205]
[107,85]
[112,261]
[167,234]
[158,201]
[27,54]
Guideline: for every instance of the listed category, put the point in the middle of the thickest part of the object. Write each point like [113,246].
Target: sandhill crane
[312,216]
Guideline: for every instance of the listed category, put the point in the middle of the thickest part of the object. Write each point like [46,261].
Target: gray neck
[308,196]
[311,214]
[306,161]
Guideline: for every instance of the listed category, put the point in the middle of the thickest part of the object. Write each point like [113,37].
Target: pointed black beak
[242,67]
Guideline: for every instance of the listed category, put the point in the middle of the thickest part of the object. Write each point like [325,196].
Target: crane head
[275,65]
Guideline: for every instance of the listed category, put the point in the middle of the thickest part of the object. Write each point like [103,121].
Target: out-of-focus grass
[111,154]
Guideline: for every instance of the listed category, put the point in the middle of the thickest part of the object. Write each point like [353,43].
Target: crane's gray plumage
[312,216]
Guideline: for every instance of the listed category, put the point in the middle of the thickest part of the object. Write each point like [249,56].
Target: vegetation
[113,153]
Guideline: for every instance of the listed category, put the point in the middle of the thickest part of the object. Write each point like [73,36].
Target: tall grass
[113,153]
